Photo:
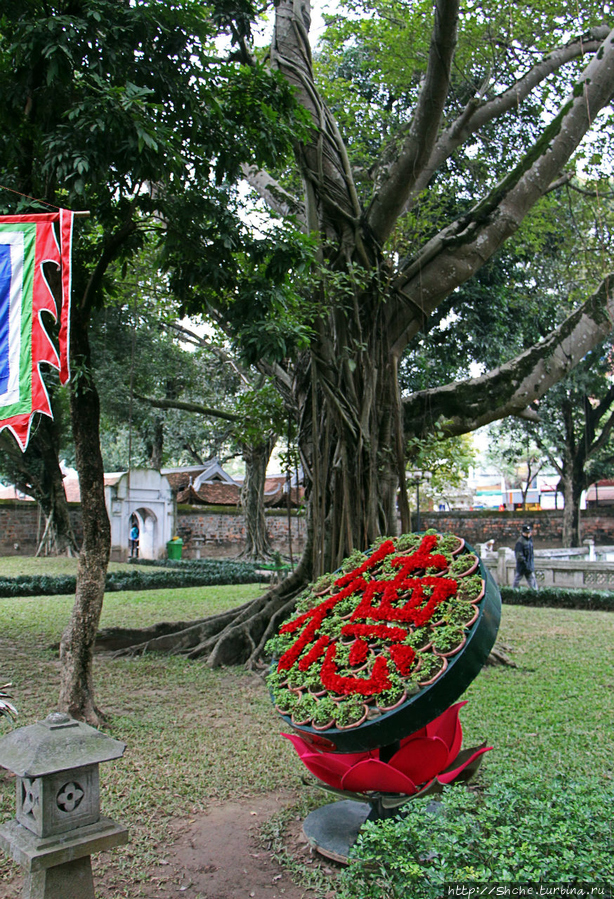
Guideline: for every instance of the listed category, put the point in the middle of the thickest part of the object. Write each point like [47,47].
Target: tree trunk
[256,457]
[60,537]
[36,472]
[155,444]
[348,436]
[76,648]
[571,513]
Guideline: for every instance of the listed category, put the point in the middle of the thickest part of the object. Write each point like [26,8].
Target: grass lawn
[195,735]
[13,566]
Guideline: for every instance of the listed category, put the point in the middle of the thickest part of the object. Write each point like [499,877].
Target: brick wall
[209,531]
[504,527]
[214,531]
[22,526]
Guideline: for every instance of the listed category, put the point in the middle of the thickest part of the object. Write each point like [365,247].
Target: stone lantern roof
[58,743]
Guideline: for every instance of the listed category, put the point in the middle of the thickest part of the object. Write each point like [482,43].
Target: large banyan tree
[531,97]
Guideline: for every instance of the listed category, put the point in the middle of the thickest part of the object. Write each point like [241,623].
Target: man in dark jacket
[525,562]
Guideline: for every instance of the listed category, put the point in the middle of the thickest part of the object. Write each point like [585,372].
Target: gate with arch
[143,496]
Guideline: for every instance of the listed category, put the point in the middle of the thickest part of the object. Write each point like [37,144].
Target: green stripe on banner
[24,404]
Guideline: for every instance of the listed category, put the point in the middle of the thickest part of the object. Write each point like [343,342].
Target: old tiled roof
[229,495]
[210,494]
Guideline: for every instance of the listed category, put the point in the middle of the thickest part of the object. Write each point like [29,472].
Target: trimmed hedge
[192,574]
[559,598]
[524,829]
[201,565]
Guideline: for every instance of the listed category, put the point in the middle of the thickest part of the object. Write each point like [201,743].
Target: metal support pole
[418,523]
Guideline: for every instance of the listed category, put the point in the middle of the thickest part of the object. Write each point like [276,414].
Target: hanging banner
[27,242]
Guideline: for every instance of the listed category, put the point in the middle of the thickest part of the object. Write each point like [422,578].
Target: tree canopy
[436,137]
[126,110]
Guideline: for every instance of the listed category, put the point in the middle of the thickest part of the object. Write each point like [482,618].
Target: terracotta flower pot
[395,705]
[354,724]
[330,723]
[433,678]
[451,652]
[300,721]
[472,566]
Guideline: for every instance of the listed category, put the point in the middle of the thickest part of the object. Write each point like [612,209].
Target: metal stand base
[333,829]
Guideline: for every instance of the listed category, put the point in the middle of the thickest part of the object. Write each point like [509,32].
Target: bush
[559,598]
[207,573]
[200,565]
[524,828]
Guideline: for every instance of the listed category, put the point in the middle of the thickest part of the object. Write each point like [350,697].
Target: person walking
[525,560]
[134,541]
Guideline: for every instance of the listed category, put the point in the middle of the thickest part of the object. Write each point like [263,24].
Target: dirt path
[217,856]
[212,856]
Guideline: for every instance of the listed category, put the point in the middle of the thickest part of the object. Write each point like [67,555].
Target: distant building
[601,493]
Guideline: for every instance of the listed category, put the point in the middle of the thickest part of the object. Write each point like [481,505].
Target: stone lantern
[58,823]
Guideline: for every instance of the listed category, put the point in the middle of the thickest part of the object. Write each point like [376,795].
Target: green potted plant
[393,696]
[431,667]
[459,614]
[471,588]
[350,713]
[447,639]
[450,543]
[324,714]
[323,584]
[407,542]
[277,645]
[419,639]
[463,565]
[304,710]
[285,700]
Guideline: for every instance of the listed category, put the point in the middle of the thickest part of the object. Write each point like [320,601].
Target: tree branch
[508,390]
[186,406]
[400,178]
[201,342]
[477,114]
[109,252]
[275,196]
[332,202]
[606,429]
[457,252]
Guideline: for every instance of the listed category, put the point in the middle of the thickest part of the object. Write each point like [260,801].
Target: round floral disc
[386,645]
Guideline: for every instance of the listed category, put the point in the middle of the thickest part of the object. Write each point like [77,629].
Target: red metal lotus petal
[421,759]
[417,733]
[448,728]
[326,768]
[302,747]
[449,776]
[375,775]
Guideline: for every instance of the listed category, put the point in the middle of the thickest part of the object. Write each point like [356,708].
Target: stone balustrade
[578,572]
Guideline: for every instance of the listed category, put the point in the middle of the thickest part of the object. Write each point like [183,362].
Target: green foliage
[370,66]
[513,452]
[197,574]
[559,598]
[104,101]
[525,827]
[254,284]
[448,460]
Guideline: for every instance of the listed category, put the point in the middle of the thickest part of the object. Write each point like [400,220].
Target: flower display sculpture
[385,644]
[424,762]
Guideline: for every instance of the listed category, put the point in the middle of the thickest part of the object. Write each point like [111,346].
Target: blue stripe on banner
[5,308]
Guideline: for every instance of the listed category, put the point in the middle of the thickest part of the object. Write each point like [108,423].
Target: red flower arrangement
[368,652]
